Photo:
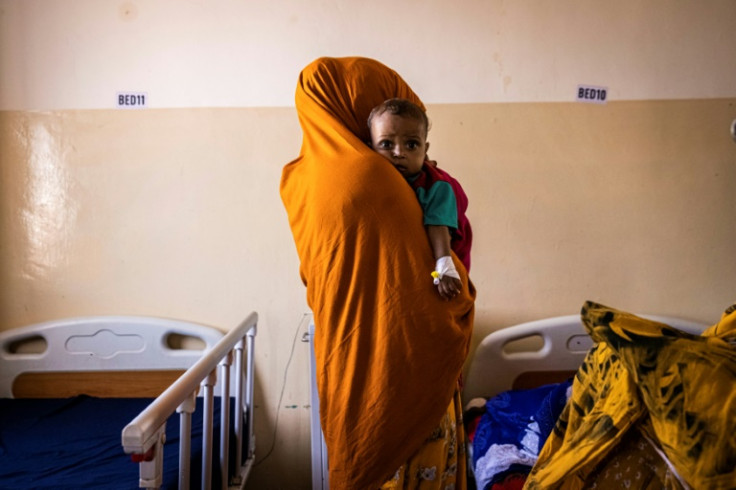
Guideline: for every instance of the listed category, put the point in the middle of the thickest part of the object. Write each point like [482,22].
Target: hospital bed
[518,376]
[77,394]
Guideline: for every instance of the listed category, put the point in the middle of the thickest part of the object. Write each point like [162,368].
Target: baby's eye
[384,144]
[412,144]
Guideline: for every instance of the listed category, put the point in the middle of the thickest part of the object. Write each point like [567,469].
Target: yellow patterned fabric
[647,380]
[440,463]
[634,463]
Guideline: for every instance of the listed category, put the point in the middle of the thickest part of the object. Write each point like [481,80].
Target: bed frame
[320,473]
[126,356]
[536,353]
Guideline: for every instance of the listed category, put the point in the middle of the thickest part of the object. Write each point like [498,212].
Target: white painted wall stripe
[77,54]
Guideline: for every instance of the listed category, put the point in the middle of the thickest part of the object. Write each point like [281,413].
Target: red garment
[513,481]
[462,236]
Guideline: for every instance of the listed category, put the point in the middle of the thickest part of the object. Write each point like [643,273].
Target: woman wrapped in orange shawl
[389,350]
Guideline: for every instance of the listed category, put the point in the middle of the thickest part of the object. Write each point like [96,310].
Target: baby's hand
[446,278]
[449,287]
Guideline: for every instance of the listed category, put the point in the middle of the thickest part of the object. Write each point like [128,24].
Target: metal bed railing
[320,474]
[144,436]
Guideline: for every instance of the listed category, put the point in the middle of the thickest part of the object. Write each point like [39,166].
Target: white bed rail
[143,437]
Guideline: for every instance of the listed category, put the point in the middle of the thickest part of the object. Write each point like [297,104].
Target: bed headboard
[99,356]
[503,360]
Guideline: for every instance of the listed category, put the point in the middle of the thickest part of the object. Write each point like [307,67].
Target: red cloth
[512,481]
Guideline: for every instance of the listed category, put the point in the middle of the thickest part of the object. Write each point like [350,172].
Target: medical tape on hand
[444,267]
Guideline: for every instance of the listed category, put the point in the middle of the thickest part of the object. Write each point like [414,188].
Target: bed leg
[186,409]
[207,428]
[225,418]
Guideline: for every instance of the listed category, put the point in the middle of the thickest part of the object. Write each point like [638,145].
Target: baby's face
[402,140]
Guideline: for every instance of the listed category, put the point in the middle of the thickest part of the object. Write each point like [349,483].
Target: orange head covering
[348,89]
[389,350]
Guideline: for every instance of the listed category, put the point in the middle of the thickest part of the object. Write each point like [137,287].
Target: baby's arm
[439,239]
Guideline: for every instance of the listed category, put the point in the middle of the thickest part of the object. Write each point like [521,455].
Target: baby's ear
[426,148]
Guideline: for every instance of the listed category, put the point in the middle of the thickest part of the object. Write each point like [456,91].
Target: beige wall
[174,210]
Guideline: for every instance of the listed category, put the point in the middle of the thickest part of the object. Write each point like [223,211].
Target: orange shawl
[389,350]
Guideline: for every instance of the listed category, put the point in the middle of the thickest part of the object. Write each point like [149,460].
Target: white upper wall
[78,54]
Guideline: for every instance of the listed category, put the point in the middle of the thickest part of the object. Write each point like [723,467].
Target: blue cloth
[515,425]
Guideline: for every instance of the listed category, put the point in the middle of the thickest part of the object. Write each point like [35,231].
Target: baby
[399,132]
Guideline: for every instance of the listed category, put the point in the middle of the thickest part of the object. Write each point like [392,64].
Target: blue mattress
[76,443]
